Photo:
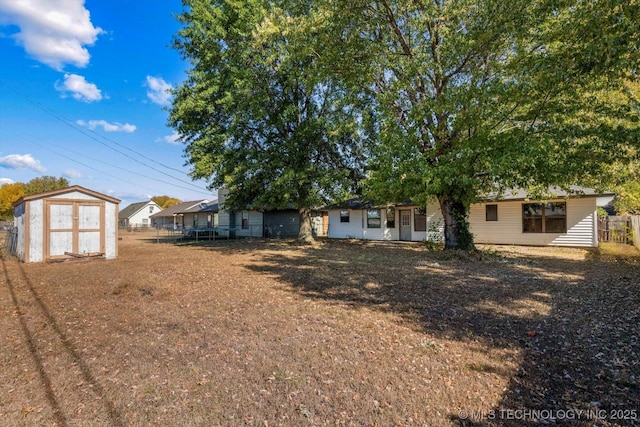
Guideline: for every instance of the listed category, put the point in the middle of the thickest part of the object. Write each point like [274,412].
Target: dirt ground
[269,333]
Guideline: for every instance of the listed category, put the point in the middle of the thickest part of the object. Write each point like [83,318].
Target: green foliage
[9,194]
[259,116]
[44,184]
[473,97]
[165,201]
[627,201]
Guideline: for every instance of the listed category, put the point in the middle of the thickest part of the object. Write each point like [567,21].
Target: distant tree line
[11,193]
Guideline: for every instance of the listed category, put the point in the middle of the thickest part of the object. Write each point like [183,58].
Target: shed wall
[19,221]
[35,234]
[111,230]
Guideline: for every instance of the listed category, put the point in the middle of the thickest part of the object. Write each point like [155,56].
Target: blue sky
[82,90]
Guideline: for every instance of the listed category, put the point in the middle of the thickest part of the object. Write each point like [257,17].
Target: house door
[405,225]
[74,227]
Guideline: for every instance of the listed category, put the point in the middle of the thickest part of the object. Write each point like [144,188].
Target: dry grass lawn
[268,333]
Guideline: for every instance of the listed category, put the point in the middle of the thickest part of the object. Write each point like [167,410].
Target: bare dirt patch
[338,333]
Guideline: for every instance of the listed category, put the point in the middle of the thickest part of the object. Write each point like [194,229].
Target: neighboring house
[203,217]
[138,214]
[239,223]
[178,216]
[565,220]
[278,223]
[72,222]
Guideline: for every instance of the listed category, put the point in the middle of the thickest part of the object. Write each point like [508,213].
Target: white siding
[224,218]
[75,195]
[255,224]
[435,223]
[138,218]
[508,229]
[110,230]
[382,233]
[357,228]
[346,230]
[36,230]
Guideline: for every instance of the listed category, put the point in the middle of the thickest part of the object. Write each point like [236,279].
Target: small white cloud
[72,173]
[21,161]
[6,181]
[106,126]
[54,32]
[174,138]
[79,88]
[158,90]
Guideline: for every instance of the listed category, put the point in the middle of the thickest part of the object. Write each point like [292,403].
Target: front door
[73,227]
[405,225]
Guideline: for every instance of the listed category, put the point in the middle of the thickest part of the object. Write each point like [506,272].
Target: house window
[373,218]
[419,219]
[150,209]
[344,216]
[544,217]
[391,217]
[245,220]
[491,212]
[195,220]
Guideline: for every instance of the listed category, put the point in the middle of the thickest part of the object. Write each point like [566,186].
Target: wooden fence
[614,229]
[619,229]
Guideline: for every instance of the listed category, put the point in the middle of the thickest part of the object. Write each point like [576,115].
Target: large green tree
[477,97]
[45,183]
[258,114]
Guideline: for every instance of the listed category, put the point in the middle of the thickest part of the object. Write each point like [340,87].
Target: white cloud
[54,32]
[174,138]
[79,88]
[106,126]
[72,173]
[21,161]
[6,181]
[158,90]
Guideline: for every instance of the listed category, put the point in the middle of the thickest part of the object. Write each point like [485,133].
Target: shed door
[74,227]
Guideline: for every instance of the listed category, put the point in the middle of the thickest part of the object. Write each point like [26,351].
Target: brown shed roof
[64,191]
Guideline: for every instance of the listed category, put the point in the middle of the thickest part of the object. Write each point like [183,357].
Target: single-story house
[138,214]
[72,222]
[178,216]
[280,223]
[567,219]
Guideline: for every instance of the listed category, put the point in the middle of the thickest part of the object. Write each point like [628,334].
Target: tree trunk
[456,226]
[305,235]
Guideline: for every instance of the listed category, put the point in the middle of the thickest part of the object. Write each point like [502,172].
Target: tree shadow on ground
[575,320]
[23,294]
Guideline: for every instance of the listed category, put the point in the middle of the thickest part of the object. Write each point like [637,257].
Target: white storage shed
[72,222]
